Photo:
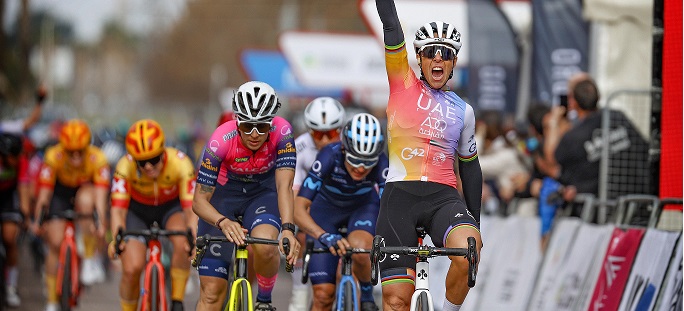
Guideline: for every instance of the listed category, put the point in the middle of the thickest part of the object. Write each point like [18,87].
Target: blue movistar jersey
[329,178]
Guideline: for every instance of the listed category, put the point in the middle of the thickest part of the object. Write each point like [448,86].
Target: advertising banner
[561,45]
[514,270]
[648,271]
[616,264]
[671,297]
[493,234]
[555,260]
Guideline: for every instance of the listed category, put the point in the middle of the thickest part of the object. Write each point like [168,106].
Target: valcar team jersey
[426,128]
[226,158]
[329,177]
[176,180]
[306,155]
[57,168]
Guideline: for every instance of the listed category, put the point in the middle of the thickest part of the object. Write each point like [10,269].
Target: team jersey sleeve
[102,174]
[383,169]
[215,152]
[121,189]
[286,156]
[467,148]
[300,167]
[48,171]
[186,172]
[320,170]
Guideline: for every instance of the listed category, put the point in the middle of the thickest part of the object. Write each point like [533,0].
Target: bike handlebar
[152,233]
[204,241]
[311,250]
[424,251]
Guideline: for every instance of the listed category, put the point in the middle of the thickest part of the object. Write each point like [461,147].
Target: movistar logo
[360,223]
[311,184]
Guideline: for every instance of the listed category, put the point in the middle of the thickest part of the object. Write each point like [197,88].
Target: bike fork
[154,263]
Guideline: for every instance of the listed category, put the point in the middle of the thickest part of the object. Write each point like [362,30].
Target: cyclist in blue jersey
[340,190]
[246,174]
[430,131]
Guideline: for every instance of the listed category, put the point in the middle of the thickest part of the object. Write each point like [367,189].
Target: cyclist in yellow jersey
[75,174]
[152,183]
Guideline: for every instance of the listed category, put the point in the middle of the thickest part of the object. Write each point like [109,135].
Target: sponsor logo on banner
[615,269]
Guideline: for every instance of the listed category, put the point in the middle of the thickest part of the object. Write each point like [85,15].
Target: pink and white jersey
[226,158]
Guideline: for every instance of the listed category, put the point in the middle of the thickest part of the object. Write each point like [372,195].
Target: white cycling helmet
[362,136]
[255,101]
[446,34]
[324,114]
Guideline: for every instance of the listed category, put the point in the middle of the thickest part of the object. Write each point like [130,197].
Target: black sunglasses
[430,51]
[153,161]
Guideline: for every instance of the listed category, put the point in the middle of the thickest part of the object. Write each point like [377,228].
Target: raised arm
[393,34]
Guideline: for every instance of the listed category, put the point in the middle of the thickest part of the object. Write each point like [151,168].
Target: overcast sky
[88,16]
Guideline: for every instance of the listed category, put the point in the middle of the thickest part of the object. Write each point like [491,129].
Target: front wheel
[422,302]
[65,296]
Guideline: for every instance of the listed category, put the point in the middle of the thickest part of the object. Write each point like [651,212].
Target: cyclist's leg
[262,220]
[213,269]
[451,226]
[53,236]
[180,265]
[11,218]
[323,267]
[395,224]
[92,266]
[361,230]
[322,273]
[132,262]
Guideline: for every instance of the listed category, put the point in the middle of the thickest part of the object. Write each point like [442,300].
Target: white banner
[671,298]
[493,234]
[648,270]
[555,260]
[355,61]
[514,270]
[580,269]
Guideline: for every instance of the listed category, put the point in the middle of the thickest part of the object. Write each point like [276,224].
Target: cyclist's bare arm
[24,191]
[101,202]
[283,180]
[303,218]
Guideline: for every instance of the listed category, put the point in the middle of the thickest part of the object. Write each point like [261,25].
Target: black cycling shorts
[141,216]
[406,205]
[9,206]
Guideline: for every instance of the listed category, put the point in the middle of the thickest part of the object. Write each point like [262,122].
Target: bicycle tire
[348,297]
[65,297]
[154,289]
[241,298]
[422,302]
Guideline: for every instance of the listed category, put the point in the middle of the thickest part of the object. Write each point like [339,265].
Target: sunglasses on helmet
[431,50]
[360,162]
[153,161]
[249,127]
[332,134]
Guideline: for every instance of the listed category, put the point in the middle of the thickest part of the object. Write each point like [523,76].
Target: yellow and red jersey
[57,168]
[176,180]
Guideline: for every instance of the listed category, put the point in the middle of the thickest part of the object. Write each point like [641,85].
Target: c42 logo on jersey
[408,153]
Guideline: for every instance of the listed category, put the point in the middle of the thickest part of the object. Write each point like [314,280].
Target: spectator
[20,126]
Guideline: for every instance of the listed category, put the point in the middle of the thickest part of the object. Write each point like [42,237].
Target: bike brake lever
[286,247]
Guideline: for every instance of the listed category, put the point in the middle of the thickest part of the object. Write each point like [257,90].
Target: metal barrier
[625,163]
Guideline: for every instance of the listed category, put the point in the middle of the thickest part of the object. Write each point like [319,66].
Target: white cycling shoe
[51,307]
[299,300]
[92,272]
[13,300]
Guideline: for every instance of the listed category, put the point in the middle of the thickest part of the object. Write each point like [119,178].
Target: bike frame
[347,278]
[239,268]
[154,261]
[68,246]
[154,264]
[422,253]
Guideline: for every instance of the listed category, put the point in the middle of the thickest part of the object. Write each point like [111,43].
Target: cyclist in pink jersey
[245,180]
[428,128]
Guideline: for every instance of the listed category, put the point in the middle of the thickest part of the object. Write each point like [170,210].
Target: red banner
[617,263]
[671,122]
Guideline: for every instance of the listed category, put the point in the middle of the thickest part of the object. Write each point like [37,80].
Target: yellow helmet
[145,139]
[75,135]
